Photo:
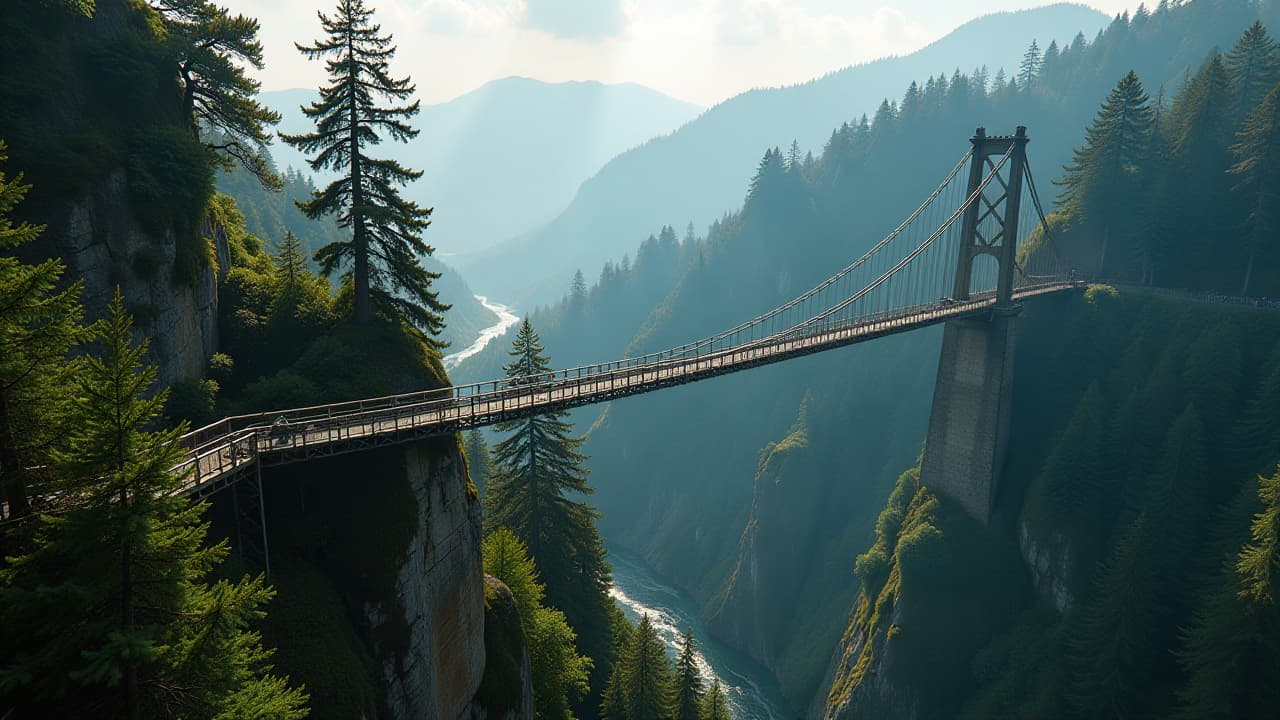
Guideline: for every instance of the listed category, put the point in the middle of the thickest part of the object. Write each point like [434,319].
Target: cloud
[464,17]
[576,19]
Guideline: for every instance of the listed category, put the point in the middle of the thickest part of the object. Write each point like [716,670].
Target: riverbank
[753,693]
[506,320]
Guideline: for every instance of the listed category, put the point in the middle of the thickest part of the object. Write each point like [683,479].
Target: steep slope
[680,475]
[506,157]
[701,170]
[1107,582]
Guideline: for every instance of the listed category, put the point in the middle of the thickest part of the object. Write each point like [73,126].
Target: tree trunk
[1248,276]
[15,490]
[126,610]
[359,238]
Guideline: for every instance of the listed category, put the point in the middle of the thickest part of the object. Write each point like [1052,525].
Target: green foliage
[688,681]
[1112,642]
[116,612]
[1228,651]
[559,672]
[39,324]
[193,401]
[644,676]
[214,50]
[715,704]
[537,470]
[170,184]
[382,257]
[479,464]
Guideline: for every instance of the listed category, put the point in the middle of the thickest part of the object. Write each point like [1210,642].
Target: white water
[506,319]
[753,694]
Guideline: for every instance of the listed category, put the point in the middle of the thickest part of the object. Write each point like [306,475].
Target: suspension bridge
[975,248]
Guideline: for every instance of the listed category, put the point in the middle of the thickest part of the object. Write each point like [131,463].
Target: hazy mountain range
[509,155]
[701,170]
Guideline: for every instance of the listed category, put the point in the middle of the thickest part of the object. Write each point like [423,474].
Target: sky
[701,51]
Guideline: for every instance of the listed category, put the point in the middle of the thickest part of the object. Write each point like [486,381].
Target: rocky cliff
[104,245]
[376,556]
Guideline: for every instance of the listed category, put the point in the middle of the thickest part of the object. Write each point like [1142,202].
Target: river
[753,693]
[506,319]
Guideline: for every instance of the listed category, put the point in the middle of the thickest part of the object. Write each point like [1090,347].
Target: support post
[969,425]
[249,507]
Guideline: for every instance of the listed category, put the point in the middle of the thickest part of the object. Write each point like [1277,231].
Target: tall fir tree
[111,613]
[1199,204]
[291,263]
[646,675]
[383,258]
[1257,167]
[715,703]
[214,51]
[1254,66]
[1029,67]
[1103,182]
[688,681]
[479,462]
[39,323]
[1113,639]
[537,470]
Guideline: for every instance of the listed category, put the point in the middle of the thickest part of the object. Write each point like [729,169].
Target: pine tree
[578,287]
[1257,156]
[1229,650]
[479,464]
[291,263]
[794,157]
[1103,181]
[535,470]
[1254,66]
[1029,68]
[382,260]
[110,614]
[715,703]
[1198,202]
[1176,494]
[612,702]
[39,323]
[1072,477]
[689,691]
[213,48]
[559,672]
[1114,639]
[646,675]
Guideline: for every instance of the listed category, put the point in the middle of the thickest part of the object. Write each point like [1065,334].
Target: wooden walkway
[220,454]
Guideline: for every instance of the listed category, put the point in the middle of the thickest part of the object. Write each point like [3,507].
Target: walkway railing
[219,453]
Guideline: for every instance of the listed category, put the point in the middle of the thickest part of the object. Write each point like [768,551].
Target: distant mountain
[701,170]
[508,156]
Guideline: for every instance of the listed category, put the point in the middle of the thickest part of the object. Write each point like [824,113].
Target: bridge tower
[969,423]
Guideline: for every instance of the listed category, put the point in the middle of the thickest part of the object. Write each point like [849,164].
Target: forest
[1132,565]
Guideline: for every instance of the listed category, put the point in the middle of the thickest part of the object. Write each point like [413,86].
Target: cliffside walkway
[975,247]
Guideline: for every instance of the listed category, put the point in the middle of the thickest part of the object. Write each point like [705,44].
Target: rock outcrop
[105,246]
[506,692]
[440,597]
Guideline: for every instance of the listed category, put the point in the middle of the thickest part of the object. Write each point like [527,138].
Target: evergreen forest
[171,300]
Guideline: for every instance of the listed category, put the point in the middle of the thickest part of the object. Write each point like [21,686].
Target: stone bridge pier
[969,425]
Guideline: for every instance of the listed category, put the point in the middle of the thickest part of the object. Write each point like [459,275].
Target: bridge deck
[222,453]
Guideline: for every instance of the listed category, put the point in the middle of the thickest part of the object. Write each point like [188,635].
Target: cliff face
[439,597]
[381,605]
[103,244]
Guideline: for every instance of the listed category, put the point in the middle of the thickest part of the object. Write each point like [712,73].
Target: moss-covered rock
[506,691]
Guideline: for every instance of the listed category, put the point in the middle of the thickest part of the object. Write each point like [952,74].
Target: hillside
[506,157]
[725,474]
[701,170]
